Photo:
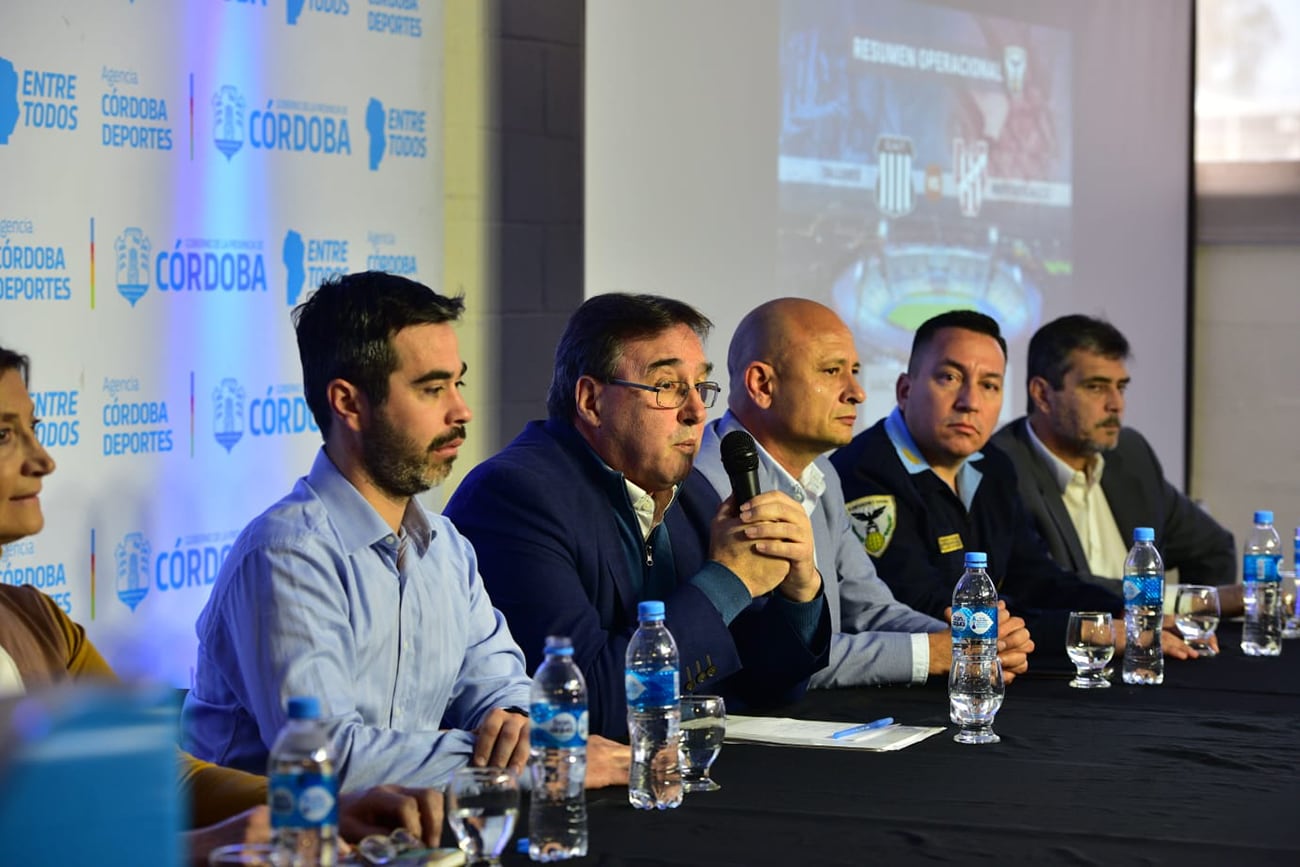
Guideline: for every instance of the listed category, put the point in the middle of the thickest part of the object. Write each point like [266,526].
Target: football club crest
[1014,61]
[132,556]
[132,259]
[970,169]
[228,413]
[874,519]
[894,194]
[228,120]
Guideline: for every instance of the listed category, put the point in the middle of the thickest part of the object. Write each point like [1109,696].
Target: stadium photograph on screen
[924,165]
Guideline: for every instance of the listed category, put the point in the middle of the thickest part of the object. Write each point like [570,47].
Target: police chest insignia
[874,519]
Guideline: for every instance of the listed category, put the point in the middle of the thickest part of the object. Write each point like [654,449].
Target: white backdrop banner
[174,177]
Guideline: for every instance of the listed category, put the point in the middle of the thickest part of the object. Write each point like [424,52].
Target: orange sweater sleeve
[84,660]
[217,793]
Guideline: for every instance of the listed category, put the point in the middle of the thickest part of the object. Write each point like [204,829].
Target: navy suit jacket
[1188,539]
[555,561]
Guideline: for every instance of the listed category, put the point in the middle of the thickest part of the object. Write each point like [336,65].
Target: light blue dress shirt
[877,639]
[312,601]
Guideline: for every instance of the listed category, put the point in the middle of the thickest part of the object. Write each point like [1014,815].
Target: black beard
[398,466]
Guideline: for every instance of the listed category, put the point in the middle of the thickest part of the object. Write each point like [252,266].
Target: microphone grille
[739,451]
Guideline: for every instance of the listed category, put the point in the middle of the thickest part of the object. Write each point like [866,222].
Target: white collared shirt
[643,506]
[806,490]
[1085,501]
[11,679]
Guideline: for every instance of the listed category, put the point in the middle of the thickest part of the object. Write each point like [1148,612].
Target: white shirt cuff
[920,657]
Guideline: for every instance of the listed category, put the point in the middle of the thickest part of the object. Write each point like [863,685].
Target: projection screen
[893,159]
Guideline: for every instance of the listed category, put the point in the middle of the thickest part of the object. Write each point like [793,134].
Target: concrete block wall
[534,214]
[1246,409]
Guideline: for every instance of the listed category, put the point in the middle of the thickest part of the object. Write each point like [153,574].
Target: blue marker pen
[865,727]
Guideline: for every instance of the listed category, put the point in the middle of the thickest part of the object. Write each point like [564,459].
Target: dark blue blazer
[555,557]
[1189,540]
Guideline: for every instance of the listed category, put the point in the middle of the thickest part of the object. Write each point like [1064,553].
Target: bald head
[793,370]
[770,331]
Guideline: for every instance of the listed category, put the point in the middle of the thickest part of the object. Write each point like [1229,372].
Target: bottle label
[979,623]
[1144,589]
[1260,567]
[303,799]
[558,726]
[652,689]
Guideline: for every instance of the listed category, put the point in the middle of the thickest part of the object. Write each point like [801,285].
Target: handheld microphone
[740,460]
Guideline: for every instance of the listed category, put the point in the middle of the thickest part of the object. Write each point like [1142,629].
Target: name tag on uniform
[948,544]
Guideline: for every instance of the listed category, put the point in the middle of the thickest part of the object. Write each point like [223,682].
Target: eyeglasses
[671,395]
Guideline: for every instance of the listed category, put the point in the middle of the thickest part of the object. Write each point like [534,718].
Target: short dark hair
[969,320]
[345,331]
[598,331]
[1051,345]
[10,360]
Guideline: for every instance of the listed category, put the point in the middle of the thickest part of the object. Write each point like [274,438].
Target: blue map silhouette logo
[296,274]
[132,263]
[8,99]
[132,556]
[228,413]
[292,9]
[228,118]
[375,127]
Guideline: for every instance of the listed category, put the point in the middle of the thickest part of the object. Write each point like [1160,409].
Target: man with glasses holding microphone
[588,513]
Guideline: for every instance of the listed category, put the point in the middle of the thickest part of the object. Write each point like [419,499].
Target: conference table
[1204,769]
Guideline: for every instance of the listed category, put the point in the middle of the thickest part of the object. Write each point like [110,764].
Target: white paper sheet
[817,733]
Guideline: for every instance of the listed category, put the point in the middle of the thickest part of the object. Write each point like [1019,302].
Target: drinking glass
[482,806]
[1290,610]
[1196,614]
[399,847]
[975,693]
[704,723]
[1090,643]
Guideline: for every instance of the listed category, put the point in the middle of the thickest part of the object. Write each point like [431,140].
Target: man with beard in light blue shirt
[348,589]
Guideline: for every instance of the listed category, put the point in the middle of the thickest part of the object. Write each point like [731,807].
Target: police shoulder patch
[874,518]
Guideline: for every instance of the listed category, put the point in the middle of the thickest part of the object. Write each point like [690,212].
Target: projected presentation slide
[924,165]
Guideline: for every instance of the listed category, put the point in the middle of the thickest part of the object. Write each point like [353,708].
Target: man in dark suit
[947,490]
[1086,480]
[595,509]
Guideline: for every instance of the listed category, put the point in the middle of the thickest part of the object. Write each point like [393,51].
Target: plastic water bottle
[654,713]
[557,816]
[975,608]
[1144,593]
[302,788]
[1262,633]
[1291,629]
[975,687]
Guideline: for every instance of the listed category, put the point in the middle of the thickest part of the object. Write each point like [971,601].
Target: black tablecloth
[1201,770]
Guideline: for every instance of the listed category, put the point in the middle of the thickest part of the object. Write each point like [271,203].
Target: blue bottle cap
[651,609]
[304,707]
[559,644]
[976,560]
[1144,534]
[1264,516]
